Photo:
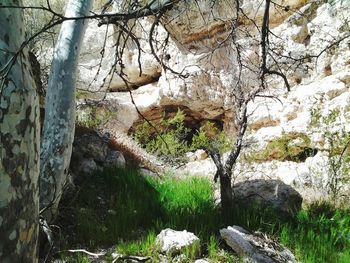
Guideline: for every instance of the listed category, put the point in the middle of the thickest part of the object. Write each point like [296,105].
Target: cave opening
[192,121]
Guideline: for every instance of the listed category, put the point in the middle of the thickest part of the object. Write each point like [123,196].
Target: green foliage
[336,147]
[143,133]
[338,160]
[93,116]
[82,259]
[331,117]
[172,142]
[121,207]
[217,254]
[319,234]
[316,116]
[140,247]
[292,146]
[210,137]
[115,203]
[188,204]
[192,252]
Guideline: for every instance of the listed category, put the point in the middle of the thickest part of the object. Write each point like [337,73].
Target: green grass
[217,254]
[143,246]
[114,205]
[120,207]
[188,204]
[319,234]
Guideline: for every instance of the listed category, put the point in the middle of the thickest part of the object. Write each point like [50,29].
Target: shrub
[294,146]
[210,137]
[336,147]
[93,116]
[338,161]
[170,142]
[173,140]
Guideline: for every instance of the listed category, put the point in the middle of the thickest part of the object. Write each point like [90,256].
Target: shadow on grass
[119,204]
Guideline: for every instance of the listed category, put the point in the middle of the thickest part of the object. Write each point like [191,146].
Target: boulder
[172,242]
[91,145]
[201,154]
[269,193]
[146,172]
[201,261]
[87,166]
[92,151]
[114,158]
[256,247]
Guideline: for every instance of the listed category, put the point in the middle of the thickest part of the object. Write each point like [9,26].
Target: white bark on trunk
[19,143]
[58,131]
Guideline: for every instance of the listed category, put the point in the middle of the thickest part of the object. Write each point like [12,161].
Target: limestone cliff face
[202,26]
[200,47]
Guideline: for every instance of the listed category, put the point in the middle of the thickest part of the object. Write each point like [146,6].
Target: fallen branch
[95,255]
[135,258]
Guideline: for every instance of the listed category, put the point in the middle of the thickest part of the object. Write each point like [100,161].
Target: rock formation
[268,193]
[311,41]
[255,247]
[171,242]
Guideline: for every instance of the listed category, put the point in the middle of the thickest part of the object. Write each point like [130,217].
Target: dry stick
[150,40]
[137,42]
[264,46]
[95,255]
[134,258]
[102,52]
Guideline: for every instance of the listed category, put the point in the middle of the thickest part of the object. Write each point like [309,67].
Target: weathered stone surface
[173,242]
[146,172]
[268,193]
[92,151]
[91,145]
[201,261]
[86,166]
[94,72]
[201,154]
[256,247]
[198,155]
[200,33]
[114,158]
[255,10]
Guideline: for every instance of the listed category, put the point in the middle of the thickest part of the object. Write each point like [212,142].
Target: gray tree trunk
[58,131]
[19,143]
